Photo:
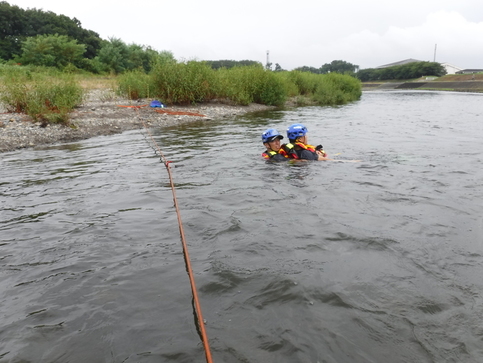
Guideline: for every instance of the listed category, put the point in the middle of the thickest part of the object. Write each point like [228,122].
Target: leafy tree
[339,66]
[278,68]
[165,56]
[230,63]
[141,57]
[17,24]
[365,75]
[308,69]
[402,72]
[114,56]
[11,29]
[51,51]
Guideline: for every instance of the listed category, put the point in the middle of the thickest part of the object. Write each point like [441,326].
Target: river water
[375,261]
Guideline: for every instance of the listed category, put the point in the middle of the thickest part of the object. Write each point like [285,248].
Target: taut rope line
[204,336]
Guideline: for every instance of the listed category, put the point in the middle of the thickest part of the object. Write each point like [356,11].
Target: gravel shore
[101,115]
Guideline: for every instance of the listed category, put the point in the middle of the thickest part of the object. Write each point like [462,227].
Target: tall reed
[337,89]
[195,82]
[43,97]
[183,83]
[247,84]
[135,84]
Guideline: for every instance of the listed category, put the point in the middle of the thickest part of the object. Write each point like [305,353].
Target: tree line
[40,38]
[17,24]
[43,38]
[336,66]
[402,72]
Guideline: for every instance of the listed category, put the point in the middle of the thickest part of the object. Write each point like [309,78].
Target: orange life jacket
[311,148]
[288,150]
[269,154]
[306,147]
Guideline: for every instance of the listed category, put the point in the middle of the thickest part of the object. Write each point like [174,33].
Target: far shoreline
[427,85]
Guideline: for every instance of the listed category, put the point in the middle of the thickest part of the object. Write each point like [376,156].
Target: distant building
[400,63]
[469,71]
[450,69]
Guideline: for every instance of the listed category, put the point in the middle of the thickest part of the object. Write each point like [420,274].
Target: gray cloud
[306,32]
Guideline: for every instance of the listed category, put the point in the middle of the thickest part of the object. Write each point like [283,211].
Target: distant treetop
[17,24]
[230,63]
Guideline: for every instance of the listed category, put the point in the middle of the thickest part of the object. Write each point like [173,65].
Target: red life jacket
[311,148]
[288,151]
[268,154]
[306,147]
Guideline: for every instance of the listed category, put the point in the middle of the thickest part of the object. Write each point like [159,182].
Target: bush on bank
[196,82]
[44,97]
[183,83]
[337,89]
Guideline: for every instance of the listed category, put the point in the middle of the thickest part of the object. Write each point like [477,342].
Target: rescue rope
[198,313]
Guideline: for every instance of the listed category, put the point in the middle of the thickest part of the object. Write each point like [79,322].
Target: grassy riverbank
[48,95]
[195,82]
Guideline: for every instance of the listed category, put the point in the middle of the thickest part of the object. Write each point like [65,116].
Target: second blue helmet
[296,130]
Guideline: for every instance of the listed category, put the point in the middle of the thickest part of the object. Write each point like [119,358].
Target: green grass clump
[44,98]
[247,84]
[9,70]
[183,83]
[270,89]
[337,89]
[305,82]
[135,85]
[196,82]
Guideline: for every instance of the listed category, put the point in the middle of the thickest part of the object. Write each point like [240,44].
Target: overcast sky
[299,33]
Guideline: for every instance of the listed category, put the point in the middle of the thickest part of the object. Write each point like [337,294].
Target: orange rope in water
[169,112]
[204,336]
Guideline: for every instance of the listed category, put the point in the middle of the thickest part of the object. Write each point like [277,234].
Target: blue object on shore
[156,103]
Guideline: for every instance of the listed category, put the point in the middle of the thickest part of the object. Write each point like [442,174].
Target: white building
[450,69]
[400,63]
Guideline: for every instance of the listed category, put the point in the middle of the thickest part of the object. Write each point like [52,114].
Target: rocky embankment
[457,86]
[101,114]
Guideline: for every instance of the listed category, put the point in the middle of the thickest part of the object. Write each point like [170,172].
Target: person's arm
[279,157]
[308,155]
[321,156]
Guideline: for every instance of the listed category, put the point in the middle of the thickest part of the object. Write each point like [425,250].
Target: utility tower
[268,65]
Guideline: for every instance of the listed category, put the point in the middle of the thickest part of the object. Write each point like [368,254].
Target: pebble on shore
[101,115]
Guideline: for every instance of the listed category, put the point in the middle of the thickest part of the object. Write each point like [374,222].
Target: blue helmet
[296,130]
[270,135]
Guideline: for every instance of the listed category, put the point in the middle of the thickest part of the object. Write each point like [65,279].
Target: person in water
[271,140]
[297,134]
